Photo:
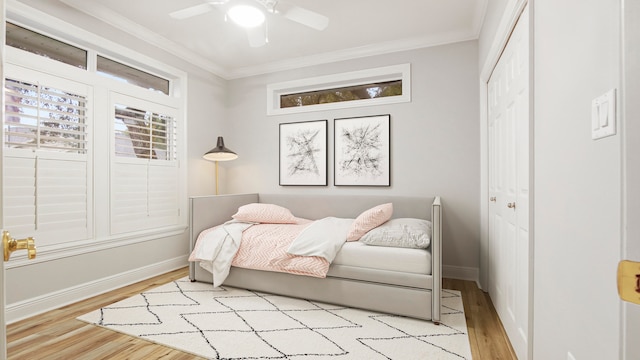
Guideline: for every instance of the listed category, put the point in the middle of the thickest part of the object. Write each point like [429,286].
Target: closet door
[508,139]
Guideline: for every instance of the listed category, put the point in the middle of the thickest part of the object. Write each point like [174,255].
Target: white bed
[394,280]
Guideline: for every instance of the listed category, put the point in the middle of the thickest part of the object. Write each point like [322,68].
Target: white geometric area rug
[229,323]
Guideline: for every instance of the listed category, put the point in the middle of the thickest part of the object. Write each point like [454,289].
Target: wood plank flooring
[487,337]
[58,335]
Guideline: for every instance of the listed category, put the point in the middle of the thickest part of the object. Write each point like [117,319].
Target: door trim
[3,297]
[508,23]
[630,90]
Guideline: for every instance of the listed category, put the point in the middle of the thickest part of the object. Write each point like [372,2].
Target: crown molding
[352,53]
[116,20]
[50,25]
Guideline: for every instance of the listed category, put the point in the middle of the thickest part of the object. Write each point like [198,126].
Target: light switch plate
[603,115]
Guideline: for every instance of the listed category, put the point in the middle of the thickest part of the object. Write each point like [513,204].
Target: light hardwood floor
[58,335]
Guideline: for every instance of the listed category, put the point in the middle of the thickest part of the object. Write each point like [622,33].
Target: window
[122,72]
[33,42]
[386,85]
[348,93]
[89,160]
[39,44]
[43,117]
[47,179]
[144,134]
[145,173]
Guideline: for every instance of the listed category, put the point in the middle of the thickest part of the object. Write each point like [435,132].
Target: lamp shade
[220,152]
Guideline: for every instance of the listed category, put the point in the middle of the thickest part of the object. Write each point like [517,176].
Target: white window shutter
[145,173]
[19,195]
[47,183]
[129,198]
[163,194]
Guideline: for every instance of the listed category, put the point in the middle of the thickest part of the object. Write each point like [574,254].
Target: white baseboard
[461,273]
[38,305]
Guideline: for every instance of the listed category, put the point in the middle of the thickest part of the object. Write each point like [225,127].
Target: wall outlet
[570,356]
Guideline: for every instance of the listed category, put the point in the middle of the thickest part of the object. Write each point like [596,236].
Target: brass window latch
[10,245]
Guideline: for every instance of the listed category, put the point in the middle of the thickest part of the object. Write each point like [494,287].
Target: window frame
[121,162]
[354,78]
[101,237]
[40,155]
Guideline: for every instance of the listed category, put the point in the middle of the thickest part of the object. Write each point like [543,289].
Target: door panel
[630,315]
[509,238]
[3,328]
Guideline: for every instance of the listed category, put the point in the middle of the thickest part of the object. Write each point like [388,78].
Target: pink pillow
[264,213]
[369,219]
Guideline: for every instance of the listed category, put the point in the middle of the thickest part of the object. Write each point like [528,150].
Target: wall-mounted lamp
[219,153]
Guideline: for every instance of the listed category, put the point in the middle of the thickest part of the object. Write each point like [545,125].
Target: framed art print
[303,153]
[362,151]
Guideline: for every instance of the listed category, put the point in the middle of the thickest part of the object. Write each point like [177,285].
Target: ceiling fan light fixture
[246,16]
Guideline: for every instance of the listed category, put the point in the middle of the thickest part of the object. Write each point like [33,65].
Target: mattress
[389,265]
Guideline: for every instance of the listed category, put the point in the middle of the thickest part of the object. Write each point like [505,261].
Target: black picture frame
[303,153]
[362,151]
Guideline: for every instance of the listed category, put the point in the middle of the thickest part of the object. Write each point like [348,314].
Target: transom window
[125,73]
[347,93]
[33,42]
[39,44]
[385,85]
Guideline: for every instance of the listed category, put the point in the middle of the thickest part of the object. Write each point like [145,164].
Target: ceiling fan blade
[192,11]
[303,16]
[257,36]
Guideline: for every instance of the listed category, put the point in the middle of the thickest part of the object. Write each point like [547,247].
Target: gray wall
[577,218]
[434,145]
[205,122]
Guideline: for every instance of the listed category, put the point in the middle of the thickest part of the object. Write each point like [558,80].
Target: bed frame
[420,302]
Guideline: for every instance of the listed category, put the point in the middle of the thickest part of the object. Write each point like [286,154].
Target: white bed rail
[436,256]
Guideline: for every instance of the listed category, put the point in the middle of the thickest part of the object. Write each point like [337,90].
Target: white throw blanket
[218,248]
[323,238]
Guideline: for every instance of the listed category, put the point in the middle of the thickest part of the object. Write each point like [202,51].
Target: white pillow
[402,232]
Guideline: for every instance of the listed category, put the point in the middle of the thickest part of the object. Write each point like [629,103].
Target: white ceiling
[356,28]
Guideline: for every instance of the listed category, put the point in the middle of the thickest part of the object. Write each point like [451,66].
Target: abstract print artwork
[303,153]
[362,151]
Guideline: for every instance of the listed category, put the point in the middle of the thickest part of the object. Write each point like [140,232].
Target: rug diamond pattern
[229,323]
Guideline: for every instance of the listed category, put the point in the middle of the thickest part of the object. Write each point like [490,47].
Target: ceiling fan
[253,12]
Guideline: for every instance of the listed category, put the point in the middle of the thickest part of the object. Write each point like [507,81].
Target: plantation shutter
[144,176]
[47,182]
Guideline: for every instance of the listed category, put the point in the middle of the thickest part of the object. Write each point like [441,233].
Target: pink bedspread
[264,247]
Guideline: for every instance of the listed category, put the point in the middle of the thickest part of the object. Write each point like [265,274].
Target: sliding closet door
[508,140]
